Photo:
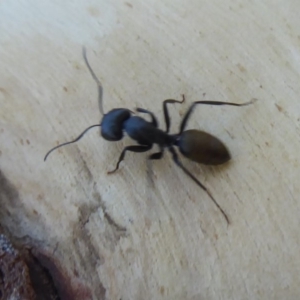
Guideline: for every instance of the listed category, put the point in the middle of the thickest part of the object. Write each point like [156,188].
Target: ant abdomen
[203,148]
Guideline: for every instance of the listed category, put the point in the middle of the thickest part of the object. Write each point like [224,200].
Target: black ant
[196,145]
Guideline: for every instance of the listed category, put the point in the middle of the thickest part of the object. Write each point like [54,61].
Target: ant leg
[188,173]
[142,148]
[166,112]
[157,155]
[145,111]
[190,110]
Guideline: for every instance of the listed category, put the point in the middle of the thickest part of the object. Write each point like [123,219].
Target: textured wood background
[148,232]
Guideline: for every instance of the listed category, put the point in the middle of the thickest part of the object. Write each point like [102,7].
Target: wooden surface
[148,232]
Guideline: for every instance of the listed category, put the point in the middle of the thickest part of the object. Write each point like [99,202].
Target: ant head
[112,124]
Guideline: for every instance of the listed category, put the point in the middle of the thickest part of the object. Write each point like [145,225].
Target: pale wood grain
[161,239]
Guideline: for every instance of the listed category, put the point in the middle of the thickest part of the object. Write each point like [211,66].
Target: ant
[196,145]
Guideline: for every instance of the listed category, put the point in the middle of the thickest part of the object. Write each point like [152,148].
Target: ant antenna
[100,88]
[74,141]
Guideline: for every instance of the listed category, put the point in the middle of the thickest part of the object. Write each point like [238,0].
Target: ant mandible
[196,145]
